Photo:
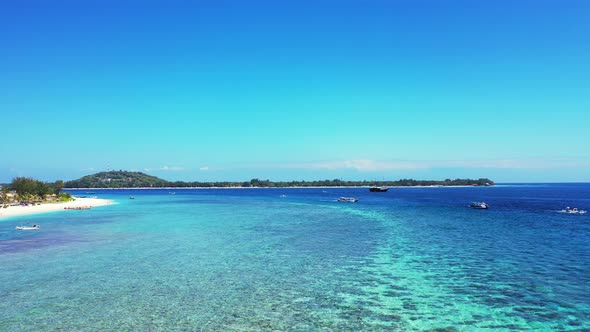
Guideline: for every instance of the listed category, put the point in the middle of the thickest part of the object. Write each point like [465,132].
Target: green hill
[117,179]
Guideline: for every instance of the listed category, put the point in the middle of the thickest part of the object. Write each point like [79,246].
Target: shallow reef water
[410,259]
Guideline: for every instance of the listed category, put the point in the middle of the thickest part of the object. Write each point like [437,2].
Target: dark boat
[378,189]
[479,205]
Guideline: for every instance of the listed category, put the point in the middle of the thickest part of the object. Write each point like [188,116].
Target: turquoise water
[411,259]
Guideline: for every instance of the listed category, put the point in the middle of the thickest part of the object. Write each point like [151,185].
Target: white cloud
[165,168]
[524,163]
[368,165]
[362,165]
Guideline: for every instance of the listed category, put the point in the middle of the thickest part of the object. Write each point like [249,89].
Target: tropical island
[128,179]
[25,196]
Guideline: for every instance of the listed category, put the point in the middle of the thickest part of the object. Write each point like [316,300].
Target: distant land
[126,179]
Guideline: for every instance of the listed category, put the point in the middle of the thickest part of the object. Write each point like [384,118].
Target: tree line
[23,189]
[127,179]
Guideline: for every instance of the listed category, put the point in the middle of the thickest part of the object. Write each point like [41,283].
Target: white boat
[28,228]
[573,211]
[348,199]
[479,205]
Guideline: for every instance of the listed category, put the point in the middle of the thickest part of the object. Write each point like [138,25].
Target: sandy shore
[13,211]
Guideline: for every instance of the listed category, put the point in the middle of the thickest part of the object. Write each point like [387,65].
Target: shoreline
[310,187]
[17,211]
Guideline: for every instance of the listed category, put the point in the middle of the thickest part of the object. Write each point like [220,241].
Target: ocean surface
[411,259]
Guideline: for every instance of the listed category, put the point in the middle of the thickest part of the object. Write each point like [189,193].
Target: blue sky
[233,90]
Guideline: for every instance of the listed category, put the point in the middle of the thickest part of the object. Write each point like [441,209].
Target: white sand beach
[13,211]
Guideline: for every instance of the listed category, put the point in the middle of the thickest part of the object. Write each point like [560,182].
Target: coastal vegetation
[27,190]
[127,179]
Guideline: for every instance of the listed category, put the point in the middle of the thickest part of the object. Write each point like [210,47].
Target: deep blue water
[411,259]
